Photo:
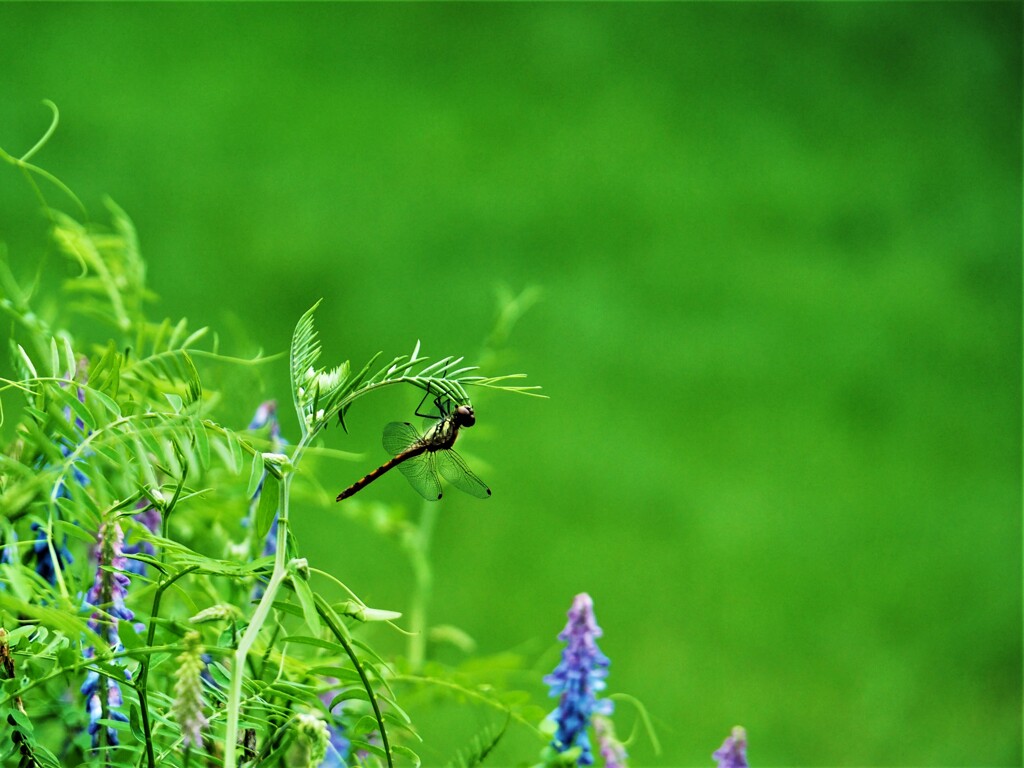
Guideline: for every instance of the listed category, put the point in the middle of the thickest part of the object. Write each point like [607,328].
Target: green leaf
[305,349]
[398,749]
[94,399]
[21,720]
[255,474]
[70,400]
[202,443]
[268,506]
[58,371]
[105,373]
[235,447]
[130,639]
[316,642]
[307,601]
[135,723]
[55,618]
[24,363]
[177,333]
[74,531]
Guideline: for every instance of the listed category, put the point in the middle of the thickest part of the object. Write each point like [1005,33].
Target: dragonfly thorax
[442,435]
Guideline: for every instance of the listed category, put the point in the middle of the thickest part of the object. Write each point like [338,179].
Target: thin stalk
[262,612]
[423,577]
[328,617]
[144,663]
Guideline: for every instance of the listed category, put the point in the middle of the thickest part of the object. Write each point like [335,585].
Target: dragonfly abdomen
[362,482]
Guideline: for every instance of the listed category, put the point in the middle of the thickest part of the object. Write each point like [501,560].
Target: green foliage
[320,394]
[115,437]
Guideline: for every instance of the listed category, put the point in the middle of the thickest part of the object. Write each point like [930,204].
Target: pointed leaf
[236,451]
[70,400]
[255,475]
[307,601]
[268,505]
[103,407]
[305,348]
[202,441]
[135,723]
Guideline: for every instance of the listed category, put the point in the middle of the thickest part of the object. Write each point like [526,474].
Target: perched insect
[422,457]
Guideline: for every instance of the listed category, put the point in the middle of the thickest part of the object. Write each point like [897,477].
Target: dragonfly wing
[399,435]
[453,469]
[422,476]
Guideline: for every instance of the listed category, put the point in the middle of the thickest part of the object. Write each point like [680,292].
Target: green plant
[156,608]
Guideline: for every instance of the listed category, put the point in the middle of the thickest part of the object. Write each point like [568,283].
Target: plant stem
[262,612]
[424,580]
[144,664]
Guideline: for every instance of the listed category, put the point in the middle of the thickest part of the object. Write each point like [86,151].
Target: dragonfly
[421,458]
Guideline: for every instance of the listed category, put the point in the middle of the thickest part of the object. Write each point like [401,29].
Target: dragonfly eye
[464,416]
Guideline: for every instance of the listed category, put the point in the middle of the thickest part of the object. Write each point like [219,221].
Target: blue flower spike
[577,680]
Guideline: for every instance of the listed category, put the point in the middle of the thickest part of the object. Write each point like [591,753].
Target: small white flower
[317,736]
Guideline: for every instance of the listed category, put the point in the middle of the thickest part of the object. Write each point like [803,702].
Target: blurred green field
[780,253]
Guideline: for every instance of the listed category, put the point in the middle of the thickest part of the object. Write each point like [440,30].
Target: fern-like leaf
[481,746]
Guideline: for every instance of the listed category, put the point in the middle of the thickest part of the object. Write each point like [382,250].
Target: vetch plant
[155,606]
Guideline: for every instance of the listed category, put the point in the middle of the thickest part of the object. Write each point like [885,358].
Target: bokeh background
[779,251]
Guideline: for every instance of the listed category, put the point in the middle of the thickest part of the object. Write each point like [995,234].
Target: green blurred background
[779,250]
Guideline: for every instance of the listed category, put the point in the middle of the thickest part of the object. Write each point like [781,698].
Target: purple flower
[107,595]
[733,752]
[577,680]
[110,587]
[94,704]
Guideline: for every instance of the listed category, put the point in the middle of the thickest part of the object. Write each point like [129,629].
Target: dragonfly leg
[436,403]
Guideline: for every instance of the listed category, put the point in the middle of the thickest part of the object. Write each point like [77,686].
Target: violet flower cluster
[733,752]
[578,679]
[103,693]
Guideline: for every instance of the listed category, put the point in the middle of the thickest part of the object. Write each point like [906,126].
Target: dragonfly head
[464,416]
